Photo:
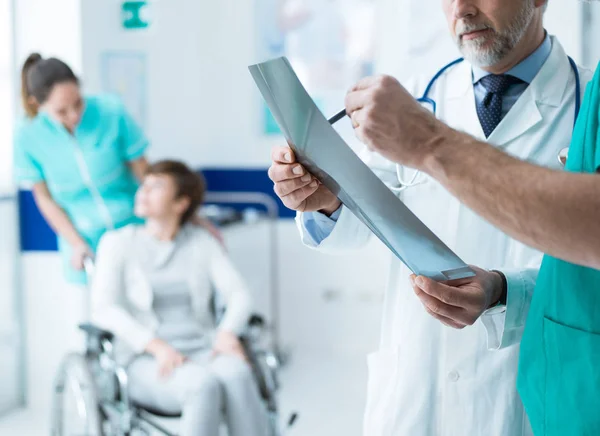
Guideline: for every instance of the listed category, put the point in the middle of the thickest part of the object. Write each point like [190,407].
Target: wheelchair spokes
[75,410]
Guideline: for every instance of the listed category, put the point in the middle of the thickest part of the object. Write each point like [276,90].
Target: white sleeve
[229,283]
[108,294]
[348,233]
[506,328]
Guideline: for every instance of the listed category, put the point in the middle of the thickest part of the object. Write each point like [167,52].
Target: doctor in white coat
[517,88]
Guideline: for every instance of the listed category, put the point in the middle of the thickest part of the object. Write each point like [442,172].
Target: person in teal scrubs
[559,369]
[557,212]
[82,155]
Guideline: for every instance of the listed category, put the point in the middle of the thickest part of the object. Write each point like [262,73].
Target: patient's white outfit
[144,288]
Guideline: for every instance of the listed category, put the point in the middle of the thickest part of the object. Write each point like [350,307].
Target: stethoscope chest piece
[562,156]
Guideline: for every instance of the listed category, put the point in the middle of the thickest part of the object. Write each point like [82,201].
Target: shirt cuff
[505,328]
[318,225]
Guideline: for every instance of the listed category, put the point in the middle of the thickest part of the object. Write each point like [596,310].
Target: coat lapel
[546,89]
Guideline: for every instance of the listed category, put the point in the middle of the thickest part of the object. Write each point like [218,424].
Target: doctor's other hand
[297,188]
[391,122]
[459,303]
[167,357]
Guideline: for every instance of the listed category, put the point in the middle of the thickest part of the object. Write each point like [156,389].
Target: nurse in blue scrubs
[82,155]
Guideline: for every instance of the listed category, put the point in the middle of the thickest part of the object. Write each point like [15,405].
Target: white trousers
[203,390]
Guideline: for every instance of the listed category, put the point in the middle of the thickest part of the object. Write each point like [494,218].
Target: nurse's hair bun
[38,78]
[32,59]
[30,106]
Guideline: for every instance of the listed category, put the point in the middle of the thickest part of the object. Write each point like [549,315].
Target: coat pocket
[381,388]
[572,380]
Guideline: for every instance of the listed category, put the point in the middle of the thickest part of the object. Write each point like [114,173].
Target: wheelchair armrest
[96,332]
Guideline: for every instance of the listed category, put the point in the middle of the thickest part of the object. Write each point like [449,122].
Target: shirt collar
[527,69]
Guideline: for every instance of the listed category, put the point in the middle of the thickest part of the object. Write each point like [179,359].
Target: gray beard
[502,44]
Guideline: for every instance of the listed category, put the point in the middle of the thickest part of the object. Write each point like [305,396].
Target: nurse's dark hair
[189,184]
[39,76]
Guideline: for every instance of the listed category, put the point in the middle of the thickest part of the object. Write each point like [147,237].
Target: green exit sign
[135,14]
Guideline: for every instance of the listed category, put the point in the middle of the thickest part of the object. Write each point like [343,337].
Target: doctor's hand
[391,122]
[297,188]
[459,303]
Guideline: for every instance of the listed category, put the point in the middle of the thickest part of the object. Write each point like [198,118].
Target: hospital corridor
[299,218]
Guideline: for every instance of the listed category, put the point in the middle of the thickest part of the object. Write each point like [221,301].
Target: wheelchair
[93,388]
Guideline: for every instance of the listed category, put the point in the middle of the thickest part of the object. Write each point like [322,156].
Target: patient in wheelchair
[153,286]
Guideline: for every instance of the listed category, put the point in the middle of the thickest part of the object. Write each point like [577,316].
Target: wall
[200,94]
[51,28]
[591,36]
[6,95]
[564,18]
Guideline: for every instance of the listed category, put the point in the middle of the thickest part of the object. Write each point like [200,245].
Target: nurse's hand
[459,303]
[391,122]
[297,188]
[210,228]
[79,254]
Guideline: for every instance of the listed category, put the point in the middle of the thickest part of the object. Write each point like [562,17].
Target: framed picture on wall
[125,74]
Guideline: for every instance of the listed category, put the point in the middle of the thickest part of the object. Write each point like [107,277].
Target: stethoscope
[562,154]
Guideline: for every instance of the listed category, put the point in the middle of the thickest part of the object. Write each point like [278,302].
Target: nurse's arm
[55,216]
[138,167]
[553,211]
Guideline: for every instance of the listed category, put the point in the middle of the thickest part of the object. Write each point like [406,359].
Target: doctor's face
[487,30]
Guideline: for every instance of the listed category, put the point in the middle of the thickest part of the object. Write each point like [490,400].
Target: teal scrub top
[559,369]
[87,172]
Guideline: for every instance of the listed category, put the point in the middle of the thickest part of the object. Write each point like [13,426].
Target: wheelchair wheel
[75,408]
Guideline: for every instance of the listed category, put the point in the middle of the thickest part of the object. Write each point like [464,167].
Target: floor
[326,390]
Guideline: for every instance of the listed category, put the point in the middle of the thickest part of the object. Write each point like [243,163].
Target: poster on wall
[330,44]
[125,74]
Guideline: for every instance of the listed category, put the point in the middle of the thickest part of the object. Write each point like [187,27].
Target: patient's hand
[228,343]
[168,358]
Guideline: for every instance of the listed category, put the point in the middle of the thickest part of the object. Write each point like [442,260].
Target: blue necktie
[489,110]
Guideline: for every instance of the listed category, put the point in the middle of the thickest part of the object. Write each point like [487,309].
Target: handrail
[6,198]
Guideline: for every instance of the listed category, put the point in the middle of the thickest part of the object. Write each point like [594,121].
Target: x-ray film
[326,155]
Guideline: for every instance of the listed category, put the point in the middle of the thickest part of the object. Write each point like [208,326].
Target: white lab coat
[428,379]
